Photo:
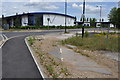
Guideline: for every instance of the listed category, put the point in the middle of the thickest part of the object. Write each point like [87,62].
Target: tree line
[114,17]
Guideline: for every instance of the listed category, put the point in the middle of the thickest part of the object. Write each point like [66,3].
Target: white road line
[2,37]
[4,40]
[34,58]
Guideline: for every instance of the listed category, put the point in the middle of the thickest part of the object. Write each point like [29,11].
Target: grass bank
[96,42]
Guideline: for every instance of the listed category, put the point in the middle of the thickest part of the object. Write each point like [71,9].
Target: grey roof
[42,13]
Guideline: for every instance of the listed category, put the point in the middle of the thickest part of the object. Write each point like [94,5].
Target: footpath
[3,38]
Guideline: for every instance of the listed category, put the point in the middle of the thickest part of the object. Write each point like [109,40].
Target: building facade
[39,19]
[96,24]
[119,4]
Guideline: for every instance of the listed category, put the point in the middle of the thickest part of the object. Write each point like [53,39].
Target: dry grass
[94,43]
[53,66]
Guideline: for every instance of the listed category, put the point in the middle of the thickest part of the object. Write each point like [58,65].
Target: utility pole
[83,18]
[65,15]
[100,13]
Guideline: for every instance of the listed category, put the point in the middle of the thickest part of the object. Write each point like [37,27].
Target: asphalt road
[1,37]
[17,61]
[12,34]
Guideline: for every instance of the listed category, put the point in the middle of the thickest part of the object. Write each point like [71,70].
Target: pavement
[1,41]
[17,61]
[80,62]
[0,63]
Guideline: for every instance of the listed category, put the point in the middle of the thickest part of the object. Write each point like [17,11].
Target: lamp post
[48,22]
[65,15]
[83,18]
[100,12]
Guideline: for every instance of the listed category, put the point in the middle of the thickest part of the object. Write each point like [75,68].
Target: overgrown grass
[94,43]
[50,69]
[30,40]
[51,65]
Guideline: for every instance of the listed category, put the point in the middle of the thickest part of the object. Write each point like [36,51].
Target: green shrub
[30,40]
[104,33]
[86,34]
[50,27]
[55,75]
[50,69]
[94,43]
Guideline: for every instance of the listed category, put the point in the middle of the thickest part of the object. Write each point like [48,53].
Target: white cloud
[74,0]
[59,0]
[42,6]
[89,8]
[75,5]
[15,0]
[51,7]
[31,4]
[15,7]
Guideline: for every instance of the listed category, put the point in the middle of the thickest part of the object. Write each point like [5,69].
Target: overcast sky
[10,7]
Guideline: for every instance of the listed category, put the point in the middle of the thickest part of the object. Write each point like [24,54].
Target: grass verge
[53,67]
[94,43]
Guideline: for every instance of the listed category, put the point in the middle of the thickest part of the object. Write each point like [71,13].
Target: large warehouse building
[39,19]
[119,4]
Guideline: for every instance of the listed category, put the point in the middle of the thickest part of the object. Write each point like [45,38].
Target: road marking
[2,37]
[60,50]
[34,58]
[61,54]
[4,40]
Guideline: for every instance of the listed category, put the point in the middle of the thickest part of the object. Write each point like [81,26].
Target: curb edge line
[34,58]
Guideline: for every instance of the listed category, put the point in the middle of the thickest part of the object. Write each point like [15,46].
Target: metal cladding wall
[57,20]
[40,19]
[24,20]
[119,4]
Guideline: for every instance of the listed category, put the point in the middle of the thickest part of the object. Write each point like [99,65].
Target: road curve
[17,61]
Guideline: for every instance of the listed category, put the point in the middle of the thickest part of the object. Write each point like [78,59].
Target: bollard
[61,53]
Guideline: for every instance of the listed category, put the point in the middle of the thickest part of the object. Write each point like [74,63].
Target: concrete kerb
[34,58]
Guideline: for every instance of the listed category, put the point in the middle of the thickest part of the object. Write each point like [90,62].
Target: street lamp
[65,15]
[83,18]
[48,19]
[100,12]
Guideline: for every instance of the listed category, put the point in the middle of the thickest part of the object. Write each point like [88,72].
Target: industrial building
[39,19]
[119,4]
